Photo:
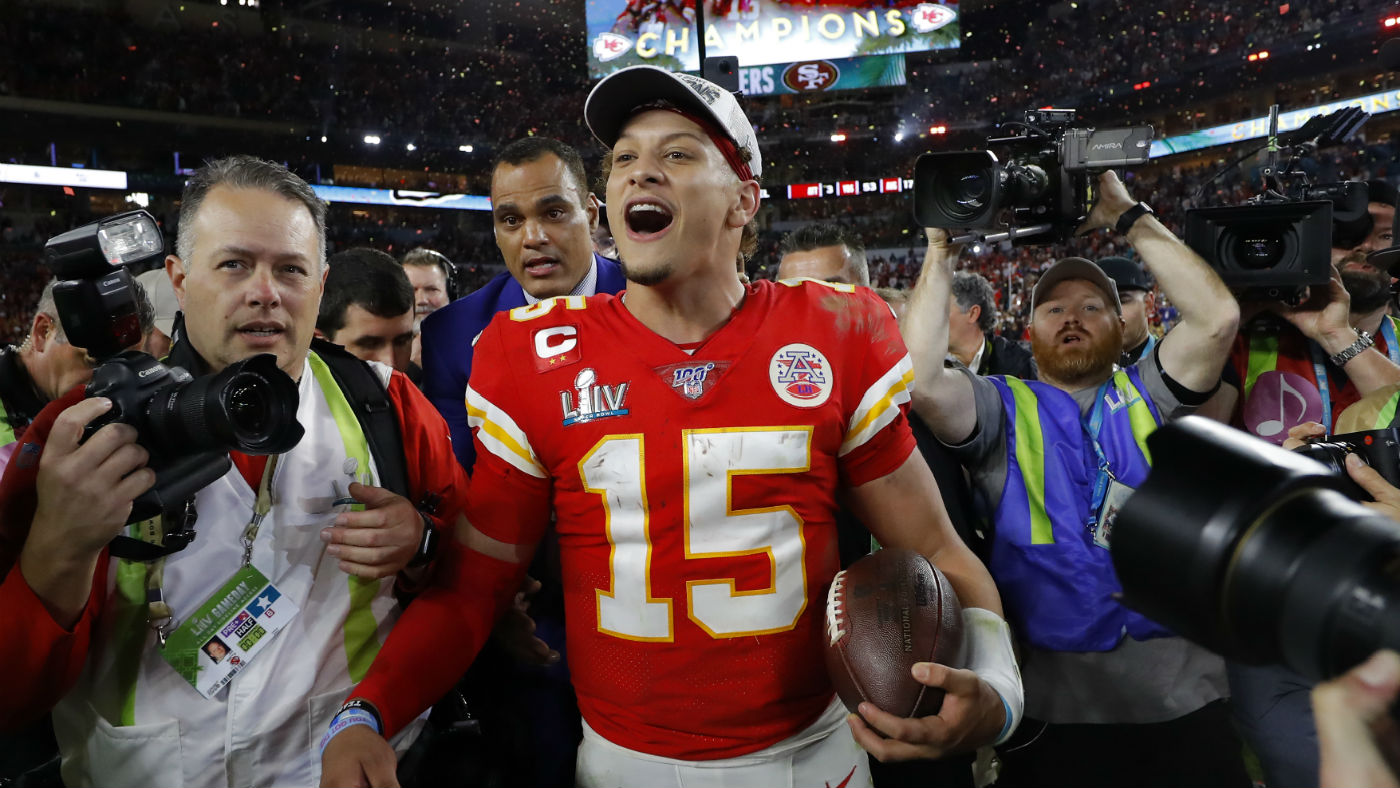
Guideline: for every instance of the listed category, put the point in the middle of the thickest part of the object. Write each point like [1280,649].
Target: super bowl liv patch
[226,632]
[590,401]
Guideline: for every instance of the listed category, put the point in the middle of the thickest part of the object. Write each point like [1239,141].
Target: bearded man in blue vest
[1112,698]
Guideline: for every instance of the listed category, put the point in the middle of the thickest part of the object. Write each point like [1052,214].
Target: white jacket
[132,720]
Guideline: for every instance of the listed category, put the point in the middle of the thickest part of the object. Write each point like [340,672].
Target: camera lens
[962,193]
[250,407]
[971,191]
[1251,551]
[1258,249]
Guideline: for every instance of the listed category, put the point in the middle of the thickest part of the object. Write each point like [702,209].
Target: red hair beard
[1078,365]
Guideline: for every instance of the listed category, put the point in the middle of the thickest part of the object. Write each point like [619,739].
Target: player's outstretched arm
[1193,352]
[427,652]
[942,397]
[982,703]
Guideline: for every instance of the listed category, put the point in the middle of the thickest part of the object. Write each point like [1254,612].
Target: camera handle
[172,497]
[1010,234]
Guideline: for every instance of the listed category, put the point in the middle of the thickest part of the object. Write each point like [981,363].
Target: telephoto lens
[1253,552]
[250,407]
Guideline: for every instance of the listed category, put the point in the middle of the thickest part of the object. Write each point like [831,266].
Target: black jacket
[1004,357]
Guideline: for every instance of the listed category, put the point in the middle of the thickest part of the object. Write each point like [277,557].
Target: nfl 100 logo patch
[693,379]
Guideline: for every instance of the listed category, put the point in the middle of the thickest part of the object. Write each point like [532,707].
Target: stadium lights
[1142,85]
[323,138]
[371,139]
[838,137]
[410,147]
[937,129]
[1262,55]
[465,148]
[1392,21]
[899,136]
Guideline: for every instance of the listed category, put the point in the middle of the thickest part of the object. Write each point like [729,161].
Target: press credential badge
[226,632]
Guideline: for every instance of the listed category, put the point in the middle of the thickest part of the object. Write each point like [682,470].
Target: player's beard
[1078,365]
[1369,289]
[647,278]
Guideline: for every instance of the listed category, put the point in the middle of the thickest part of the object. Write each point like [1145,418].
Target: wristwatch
[1130,217]
[1363,341]
[427,546]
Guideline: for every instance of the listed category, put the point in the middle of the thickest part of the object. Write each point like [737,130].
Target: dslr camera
[188,424]
[1257,553]
[1038,190]
[1379,449]
[1278,244]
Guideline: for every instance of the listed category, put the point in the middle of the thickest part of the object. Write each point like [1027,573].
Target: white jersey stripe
[500,435]
[880,405]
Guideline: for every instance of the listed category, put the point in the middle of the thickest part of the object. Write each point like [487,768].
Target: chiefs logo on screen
[812,76]
[610,46]
[928,17]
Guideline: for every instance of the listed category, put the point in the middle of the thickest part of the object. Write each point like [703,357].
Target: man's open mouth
[648,217]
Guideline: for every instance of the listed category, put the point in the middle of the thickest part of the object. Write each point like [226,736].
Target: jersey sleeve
[437,482]
[511,495]
[42,660]
[880,382]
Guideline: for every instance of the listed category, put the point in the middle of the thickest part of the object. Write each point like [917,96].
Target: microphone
[1390,55]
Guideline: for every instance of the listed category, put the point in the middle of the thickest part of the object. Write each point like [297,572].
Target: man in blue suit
[544,218]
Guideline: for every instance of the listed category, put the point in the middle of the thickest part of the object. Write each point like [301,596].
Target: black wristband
[364,705]
[427,544]
[1130,217]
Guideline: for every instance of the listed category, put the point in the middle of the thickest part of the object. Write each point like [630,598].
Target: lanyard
[1392,349]
[1151,343]
[1105,475]
[158,613]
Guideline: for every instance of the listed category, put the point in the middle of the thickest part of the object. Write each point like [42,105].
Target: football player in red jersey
[691,437]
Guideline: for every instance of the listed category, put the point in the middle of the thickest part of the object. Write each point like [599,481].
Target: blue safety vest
[1058,585]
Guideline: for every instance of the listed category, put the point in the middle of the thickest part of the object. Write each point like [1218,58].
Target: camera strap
[1392,349]
[261,507]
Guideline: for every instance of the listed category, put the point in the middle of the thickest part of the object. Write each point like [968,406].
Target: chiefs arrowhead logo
[610,46]
[928,17]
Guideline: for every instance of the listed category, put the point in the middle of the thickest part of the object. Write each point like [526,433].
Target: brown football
[884,613]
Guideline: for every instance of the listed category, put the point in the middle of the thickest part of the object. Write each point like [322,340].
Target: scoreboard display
[663,33]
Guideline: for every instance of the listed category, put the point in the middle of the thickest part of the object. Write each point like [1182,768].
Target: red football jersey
[695,497]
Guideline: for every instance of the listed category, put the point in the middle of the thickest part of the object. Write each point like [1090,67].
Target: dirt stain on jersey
[856,314]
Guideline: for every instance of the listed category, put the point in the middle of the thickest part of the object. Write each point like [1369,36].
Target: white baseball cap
[617,97]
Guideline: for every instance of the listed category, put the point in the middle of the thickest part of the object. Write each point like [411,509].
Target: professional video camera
[1255,553]
[1279,243]
[1042,192]
[187,424]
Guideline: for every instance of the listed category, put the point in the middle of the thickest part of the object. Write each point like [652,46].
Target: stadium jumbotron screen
[623,33]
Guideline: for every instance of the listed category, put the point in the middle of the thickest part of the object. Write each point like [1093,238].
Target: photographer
[1291,365]
[41,369]
[97,635]
[1056,457]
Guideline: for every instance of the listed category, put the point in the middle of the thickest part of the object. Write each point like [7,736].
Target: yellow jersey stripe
[500,435]
[880,405]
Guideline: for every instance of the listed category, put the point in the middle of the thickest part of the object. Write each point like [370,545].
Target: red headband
[727,148]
